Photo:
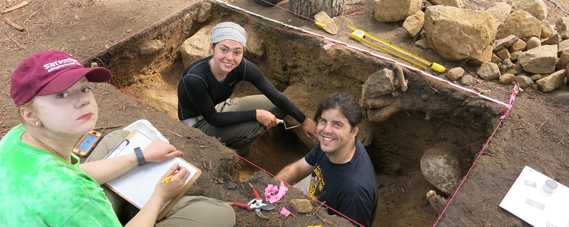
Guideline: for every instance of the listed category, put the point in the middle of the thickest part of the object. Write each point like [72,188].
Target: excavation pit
[149,65]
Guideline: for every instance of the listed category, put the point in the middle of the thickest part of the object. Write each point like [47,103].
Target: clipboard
[137,185]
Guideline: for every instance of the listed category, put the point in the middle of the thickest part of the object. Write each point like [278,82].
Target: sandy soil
[533,134]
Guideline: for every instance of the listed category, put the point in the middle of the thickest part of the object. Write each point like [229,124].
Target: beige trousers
[188,211]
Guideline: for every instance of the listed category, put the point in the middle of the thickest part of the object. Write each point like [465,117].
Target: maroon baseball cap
[50,72]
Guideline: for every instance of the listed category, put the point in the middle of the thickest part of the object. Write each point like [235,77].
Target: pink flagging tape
[512,98]
[126,93]
[323,204]
[287,26]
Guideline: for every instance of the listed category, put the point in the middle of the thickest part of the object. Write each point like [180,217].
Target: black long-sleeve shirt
[199,91]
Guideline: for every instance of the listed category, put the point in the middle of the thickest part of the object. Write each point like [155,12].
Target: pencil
[169,177]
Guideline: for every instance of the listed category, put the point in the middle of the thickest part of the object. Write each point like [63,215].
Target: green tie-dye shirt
[38,188]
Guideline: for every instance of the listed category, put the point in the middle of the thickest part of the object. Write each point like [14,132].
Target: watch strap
[139,156]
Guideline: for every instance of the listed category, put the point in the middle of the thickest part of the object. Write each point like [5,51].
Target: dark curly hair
[346,104]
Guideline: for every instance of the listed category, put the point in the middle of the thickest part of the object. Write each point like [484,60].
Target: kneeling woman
[206,85]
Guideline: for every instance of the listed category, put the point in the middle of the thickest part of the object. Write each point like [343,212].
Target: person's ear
[29,116]
[211,46]
[355,131]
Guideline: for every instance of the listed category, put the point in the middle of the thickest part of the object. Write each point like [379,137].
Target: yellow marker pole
[358,35]
[435,66]
[320,24]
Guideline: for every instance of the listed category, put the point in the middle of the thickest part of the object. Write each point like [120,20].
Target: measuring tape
[360,35]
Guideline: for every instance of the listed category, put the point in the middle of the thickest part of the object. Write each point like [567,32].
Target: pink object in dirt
[275,193]
[285,212]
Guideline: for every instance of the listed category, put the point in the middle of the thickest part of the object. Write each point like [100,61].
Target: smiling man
[342,173]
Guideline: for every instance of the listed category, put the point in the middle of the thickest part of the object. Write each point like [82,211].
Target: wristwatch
[139,156]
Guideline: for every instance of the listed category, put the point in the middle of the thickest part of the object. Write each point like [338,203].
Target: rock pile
[508,43]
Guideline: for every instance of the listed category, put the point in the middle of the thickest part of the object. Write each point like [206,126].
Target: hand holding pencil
[172,182]
[169,177]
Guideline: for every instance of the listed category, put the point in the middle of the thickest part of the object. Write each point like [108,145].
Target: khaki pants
[240,136]
[188,211]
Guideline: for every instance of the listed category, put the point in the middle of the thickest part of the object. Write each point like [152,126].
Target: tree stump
[309,8]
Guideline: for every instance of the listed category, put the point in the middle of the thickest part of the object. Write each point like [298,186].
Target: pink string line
[512,98]
[488,84]
[390,60]
[126,93]
[258,167]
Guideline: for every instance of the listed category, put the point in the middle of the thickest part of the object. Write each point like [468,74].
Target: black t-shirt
[349,188]
[199,91]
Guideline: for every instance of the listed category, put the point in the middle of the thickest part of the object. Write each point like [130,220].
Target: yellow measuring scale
[360,35]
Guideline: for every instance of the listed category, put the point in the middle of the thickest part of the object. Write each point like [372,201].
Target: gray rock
[553,40]
[197,46]
[547,30]
[537,8]
[500,11]
[524,81]
[395,10]
[455,3]
[499,44]
[414,23]
[489,71]
[441,167]
[302,206]
[562,25]
[449,28]
[519,45]
[467,80]
[423,44]
[378,84]
[204,12]
[455,74]
[520,24]
[551,82]
[323,18]
[539,60]
[503,54]
[533,42]
[563,60]
[507,78]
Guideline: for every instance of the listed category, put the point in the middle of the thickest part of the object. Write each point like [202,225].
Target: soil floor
[534,133]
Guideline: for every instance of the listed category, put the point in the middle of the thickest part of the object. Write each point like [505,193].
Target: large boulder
[537,8]
[395,10]
[562,25]
[455,3]
[379,83]
[459,34]
[551,82]
[500,11]
[521,24]
[197,46]
[414,23]
[539,60]
[441,167]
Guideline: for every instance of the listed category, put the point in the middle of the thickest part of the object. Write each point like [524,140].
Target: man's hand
[309,128]
[267,119]
[159,151]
